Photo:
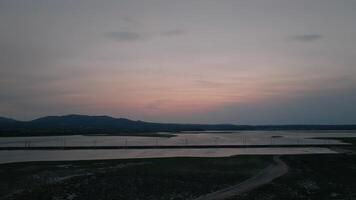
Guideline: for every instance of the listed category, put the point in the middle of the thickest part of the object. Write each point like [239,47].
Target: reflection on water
[200,138]
[56,155]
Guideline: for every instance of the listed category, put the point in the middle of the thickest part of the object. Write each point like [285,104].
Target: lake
[186,138]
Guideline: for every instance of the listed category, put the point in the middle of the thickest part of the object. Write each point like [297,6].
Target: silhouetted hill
[81,121]
[83,124]
[6,120]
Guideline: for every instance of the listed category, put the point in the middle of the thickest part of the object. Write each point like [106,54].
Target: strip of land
[166,147]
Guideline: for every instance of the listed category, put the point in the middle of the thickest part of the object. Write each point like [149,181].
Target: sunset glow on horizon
[204,61]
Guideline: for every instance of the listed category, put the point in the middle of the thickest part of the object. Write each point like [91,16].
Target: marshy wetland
[182,174]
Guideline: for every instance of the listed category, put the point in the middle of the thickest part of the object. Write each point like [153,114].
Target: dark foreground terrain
[168,178]
[312,177]
[309,177]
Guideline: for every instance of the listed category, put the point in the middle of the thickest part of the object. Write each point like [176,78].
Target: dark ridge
[6,120]
[84,124]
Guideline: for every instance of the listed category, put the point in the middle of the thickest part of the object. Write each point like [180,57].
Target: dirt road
[277,169]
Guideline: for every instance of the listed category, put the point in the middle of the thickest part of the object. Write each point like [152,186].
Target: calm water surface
[188,138]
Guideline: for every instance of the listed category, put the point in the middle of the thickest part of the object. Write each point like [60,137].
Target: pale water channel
[196,138]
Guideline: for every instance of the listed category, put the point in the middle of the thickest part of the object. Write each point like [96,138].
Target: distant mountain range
[83,124]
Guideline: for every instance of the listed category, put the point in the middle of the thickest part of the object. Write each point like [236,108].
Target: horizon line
[222,123]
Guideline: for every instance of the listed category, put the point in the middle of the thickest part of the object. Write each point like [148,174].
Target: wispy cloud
[124,36]
[307,37]
[206,83]
[131,36]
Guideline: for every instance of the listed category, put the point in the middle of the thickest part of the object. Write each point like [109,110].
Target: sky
[191,61]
